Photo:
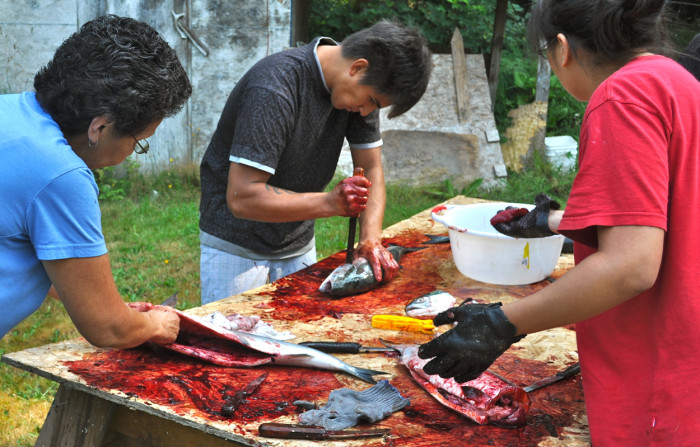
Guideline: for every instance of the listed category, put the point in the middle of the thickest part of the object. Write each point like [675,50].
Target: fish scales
[358,277]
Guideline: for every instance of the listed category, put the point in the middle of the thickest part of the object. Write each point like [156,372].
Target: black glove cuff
[543,205]
[500,325]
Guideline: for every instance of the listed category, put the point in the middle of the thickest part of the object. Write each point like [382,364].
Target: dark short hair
[113,66]
[612,31]
[399,62]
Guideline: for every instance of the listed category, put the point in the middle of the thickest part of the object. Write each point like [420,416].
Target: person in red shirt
[632,213]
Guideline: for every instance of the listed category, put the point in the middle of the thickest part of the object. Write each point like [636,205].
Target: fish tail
[365,374]
[400,250]
[436,239]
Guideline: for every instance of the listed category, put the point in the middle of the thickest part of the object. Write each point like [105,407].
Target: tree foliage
[436,19]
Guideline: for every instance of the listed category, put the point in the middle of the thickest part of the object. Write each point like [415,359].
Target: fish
[358,277]
[436,239]
[233,348]
[251,324]
[428,305]
[485,400]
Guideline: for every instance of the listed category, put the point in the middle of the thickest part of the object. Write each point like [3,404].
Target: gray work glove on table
[345,407]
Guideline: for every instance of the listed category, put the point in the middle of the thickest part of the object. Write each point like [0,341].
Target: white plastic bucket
[561,151]
[482,253]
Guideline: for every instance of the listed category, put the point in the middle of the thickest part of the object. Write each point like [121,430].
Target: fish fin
[407,249]
[365,374]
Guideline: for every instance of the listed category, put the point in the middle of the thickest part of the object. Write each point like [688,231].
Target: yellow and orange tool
[401,323]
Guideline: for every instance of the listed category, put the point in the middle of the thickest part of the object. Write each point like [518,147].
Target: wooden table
[141,397]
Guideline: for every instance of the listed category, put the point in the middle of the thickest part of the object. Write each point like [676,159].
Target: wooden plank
[499,27]
[131,428]
[76,419]
[459,64]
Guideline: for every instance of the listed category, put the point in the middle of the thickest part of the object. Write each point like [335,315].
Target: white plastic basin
[482,253]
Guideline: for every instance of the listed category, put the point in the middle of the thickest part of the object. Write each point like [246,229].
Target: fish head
[430,304]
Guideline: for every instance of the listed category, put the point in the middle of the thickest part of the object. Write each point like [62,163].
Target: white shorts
[223,274]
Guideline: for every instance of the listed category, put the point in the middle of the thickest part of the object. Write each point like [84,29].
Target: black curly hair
[399,62]
[114,66]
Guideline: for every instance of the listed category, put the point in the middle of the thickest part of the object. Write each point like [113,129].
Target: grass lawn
[154,251]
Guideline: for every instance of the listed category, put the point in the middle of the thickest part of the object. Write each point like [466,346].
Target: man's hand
[383,264]
[518,222]
[350,196]
[164,318]
[168,323]
[482,334]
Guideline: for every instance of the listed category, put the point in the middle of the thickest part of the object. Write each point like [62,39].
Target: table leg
[76,419]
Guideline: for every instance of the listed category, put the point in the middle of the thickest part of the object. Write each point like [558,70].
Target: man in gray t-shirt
[277,145]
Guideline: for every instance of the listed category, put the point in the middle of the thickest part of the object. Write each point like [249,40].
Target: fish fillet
[485,400]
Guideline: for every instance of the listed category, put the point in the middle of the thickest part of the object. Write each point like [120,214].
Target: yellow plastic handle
[399,323]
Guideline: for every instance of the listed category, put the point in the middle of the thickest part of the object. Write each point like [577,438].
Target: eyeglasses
[542,51]
[141,146]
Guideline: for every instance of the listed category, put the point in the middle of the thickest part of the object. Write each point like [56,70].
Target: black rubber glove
[519,222]
[482,334]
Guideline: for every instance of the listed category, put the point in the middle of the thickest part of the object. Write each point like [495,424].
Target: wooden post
[542,95]
[499,27]
[543,75]
[300,21]
[459,64]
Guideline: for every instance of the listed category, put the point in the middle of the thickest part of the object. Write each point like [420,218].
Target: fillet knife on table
[353,225]
[561,375]
[295,431]
[340,347]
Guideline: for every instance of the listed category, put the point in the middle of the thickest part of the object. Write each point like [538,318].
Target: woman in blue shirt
[106,90]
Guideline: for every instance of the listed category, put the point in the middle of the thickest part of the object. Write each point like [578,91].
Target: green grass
[153,242]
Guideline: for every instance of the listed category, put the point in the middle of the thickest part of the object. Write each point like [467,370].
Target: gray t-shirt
[278,118]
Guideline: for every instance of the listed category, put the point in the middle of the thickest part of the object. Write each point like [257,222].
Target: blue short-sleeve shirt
[49,208]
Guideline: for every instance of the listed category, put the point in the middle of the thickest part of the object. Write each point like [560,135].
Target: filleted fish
[233,348]
[485,400]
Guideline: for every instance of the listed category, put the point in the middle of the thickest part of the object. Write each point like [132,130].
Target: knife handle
[357,172]
[292,431]
[334,347]
[401,323]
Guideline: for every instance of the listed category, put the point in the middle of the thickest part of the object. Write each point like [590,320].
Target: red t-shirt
[639,164]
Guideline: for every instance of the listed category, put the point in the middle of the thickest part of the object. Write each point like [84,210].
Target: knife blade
[561,375]
[233,402]
[343,347]
[353,225]
[170,301]
[314,432]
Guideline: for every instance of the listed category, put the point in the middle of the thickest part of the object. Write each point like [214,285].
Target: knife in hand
[353,225]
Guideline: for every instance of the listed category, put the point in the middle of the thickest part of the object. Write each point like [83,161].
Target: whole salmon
[224,347]
[358,277]
[485,400]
